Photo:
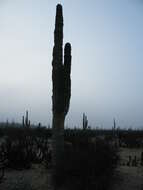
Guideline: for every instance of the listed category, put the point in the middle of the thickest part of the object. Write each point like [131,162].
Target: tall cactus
[61,87]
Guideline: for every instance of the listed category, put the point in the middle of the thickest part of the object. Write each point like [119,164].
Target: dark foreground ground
[33,179]
[125,177]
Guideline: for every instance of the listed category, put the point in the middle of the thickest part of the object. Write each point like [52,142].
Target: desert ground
[128,177]
[125,177]
[33,179]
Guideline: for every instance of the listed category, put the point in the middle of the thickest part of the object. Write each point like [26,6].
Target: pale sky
[107,60]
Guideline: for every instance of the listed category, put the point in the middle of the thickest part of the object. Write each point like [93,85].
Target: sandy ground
[128,177]
[33,179]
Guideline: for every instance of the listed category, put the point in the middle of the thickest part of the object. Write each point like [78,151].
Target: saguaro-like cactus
[26,122]
[61,87]
[84,121]
[114,126]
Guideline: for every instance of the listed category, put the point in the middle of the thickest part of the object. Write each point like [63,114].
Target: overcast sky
[107,60]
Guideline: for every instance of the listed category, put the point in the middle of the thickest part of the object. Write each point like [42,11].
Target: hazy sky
[107,60]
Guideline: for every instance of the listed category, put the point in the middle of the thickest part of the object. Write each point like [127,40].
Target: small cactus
[85,122]
[25,121]
[114,126]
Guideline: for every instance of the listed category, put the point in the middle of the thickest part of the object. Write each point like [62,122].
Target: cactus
[61,87]
[114,124]
[142,158]
[85,122]
[26,121]
[23,123]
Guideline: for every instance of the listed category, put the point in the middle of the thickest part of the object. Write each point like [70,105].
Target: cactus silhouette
[114,126]
[84,121]
[26,122]
[61,87]
[23,123]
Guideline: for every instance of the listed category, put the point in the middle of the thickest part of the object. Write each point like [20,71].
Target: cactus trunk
[58,139]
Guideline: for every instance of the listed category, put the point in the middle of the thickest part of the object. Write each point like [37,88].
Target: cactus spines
[84,122]
[61,87]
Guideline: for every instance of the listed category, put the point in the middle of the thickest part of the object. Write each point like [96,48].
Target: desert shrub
[88,166]
[16,154]
[23,146]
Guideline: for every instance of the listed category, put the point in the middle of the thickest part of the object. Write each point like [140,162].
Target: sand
[33,179]
[128,177]
[125,177]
